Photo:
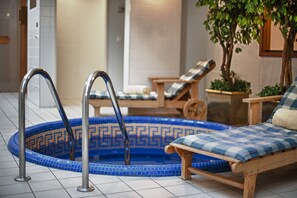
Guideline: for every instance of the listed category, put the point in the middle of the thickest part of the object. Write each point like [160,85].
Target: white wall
[193,39]
[47,40]
[115,42]
[81,44]
[42,50]
[155,28]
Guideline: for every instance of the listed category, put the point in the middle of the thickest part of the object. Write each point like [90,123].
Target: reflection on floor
[49,182]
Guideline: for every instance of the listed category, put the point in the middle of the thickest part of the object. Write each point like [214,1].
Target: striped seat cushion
[122,96]
[243,143]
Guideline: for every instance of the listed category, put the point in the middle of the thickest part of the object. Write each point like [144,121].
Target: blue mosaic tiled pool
[47,144]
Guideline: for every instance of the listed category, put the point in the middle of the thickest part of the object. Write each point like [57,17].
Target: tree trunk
[286,78]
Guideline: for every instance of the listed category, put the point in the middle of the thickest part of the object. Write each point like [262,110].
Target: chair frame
[192,107]
[249,169]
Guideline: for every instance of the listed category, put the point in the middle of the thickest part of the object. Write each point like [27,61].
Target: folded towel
[137,89]
[285,118]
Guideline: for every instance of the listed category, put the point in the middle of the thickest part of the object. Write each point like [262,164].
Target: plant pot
[227,107]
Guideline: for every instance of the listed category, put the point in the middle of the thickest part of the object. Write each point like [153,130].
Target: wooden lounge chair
[249,150]
[181,95]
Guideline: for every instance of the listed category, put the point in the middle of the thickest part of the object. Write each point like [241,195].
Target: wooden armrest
[157,81]
[255,107]
[262,99]
[160,78]
[174,81]
[4,39]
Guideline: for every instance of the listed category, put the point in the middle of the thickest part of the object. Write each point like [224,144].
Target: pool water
[150,154]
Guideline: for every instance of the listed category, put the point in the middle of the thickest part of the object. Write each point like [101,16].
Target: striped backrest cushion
[201,68]
[289,99]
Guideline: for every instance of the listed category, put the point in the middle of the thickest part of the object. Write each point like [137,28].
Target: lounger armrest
[154,83]
[262,99]
[156,80]
[174,81]
[161,78]
[255,107]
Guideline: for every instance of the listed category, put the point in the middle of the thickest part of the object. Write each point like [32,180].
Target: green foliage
[283,13]
[239,85]
[271,91]
[233,21]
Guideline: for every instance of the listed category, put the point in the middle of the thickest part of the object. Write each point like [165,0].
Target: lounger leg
[186,162]
[97,111]
[249,185]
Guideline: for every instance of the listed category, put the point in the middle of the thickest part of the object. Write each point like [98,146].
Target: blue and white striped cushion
[289,99]
[122,96]
[243,143]
[200,68]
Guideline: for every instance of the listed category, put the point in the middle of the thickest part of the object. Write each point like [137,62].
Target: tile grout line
[129,186]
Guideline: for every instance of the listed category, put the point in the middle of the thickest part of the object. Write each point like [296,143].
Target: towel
[137,89]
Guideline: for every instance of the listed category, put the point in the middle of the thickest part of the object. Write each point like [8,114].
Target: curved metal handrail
[21,105]
[85,126]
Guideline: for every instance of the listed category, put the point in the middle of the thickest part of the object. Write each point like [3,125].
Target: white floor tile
[142,184]
[71,182]
[209,186]
[37,169]
[9,171]
[61,193]
[45,185]
[60,174]
[155,192]
[279,187]
[24,195]
[113,187]
[44,176]
[184,189]
[103,179]
[168,181]
[291,194]
[9,164]
[6,158]
[203,195]
[16,188]
[269,196]
[130,194]
[225,194]
[5,180]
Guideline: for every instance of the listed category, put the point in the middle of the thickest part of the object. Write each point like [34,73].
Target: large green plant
[284,14]
[232,23]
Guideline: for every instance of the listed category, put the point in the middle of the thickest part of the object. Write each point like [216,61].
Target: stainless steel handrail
[85,126]
[21,105]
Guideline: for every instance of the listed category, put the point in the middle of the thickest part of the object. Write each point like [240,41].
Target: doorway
[13,36]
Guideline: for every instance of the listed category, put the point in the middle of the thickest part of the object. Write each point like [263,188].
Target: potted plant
[283,14]
[269,106]
[231,23]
